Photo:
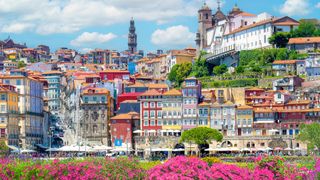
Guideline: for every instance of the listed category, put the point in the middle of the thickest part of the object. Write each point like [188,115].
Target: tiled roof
[173,92]
[299,102]
[204,104]
[255,89]
[128,116]
[137,84]
[52,72]
[157,86]
[244,107]
[271,20]
[305,40]
[151,92]
[96,91]
[245,14]
[286,61]
[115,71]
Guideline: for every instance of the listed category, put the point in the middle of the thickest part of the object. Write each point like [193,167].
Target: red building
[151,112]
[122,127]
[112,74]
[127,96]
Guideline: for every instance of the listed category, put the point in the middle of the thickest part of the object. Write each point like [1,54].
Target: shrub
[229,171]
[181,167]
[211,160]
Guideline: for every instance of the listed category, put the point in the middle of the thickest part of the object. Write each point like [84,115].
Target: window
[86,99]
[159,122]
[145,114]
[3,108]
[18,82]
[103,99]
[3,97]
[205,111]
[145,104]
[146,123]
[159,114]
[152,123]
[159,104]
[152,114]
[94,98]
[152,105]
[200,111]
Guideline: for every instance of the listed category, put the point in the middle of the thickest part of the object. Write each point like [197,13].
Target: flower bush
[211,160]
[229,171]
[181,168]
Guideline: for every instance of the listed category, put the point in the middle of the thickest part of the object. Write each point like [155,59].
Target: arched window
[207,16]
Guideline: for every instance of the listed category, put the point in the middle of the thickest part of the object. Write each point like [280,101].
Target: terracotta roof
[299,102]
[127,116]
[228,103]
[157,86]
[304,40]
[173,92]
[255,89]
[244,107]
[245,14]
[271,20]
[204,104]
[263,111]
[286,61]
[52,72]
[137,84]
[151,92]
[115,71]
[96,91]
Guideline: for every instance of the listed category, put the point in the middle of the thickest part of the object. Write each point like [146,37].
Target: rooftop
[305,40]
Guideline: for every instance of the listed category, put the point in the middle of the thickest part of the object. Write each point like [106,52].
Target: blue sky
[89,24]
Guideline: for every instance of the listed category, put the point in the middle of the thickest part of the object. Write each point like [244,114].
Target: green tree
[200,136]
[218,70]
[179,72]
[305,29]
[240,69]
[309,133]
[21,64]
[3,148]
[280,39]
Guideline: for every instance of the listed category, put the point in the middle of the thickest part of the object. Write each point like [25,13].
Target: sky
[160,24]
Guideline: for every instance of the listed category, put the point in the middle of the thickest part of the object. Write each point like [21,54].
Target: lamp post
[50,139]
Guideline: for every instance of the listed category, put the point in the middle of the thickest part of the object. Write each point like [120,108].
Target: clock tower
[132,38]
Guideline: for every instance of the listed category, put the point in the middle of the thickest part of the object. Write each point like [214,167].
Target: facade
[114,74]
[30,105]
[54,91]
[289,83]
[306,44]
[97,107]
[223,36]
[288,67]
[180,56]
[9,115]
[132,38]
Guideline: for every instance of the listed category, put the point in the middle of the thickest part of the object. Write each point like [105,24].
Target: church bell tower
[132,38]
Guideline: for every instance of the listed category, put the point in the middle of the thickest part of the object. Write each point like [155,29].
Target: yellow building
[244,120]
[9,116]
[180,56]
[172,112]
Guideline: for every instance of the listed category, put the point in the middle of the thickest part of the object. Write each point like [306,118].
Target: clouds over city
[172,37]
[295,7]
[89,38]
[67,16]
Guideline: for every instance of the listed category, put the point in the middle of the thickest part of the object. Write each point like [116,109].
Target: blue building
[54,91]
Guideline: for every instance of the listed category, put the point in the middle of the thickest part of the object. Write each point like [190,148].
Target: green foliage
[280,39]
[147,165]
[200,68]
[240,69]
[231,83]
[218,70]
[179,72]
[305,29]
[201,135]
[21,64]
[211,160]
[3,148]
[309,133]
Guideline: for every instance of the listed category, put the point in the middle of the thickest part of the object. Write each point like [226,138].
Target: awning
[42,146]
[120,149]
[28,151]
[13,147]
[177,150]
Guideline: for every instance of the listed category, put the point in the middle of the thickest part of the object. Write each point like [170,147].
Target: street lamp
[50,139]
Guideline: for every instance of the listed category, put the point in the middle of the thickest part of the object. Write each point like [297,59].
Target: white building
[237,31]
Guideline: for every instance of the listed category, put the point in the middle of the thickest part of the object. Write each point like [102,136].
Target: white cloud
[92,38]
[86,50]
[66,16]
[295,7]
[16,27]
[318,5]
[173,36]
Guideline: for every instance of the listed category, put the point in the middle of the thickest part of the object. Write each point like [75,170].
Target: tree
[305,29]
[280,39]
[3,148]
[240,69]
[179,72]
[21,64]
[200,136]
[218,70]
[309,133]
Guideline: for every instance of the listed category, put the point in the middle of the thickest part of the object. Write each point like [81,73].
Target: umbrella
[137,131]
[297,149]
[273,130]
[176,131]
[245,149]
[288,149]
[28,151]
[268,148]
[278,149]
[152,131]
[52,149]
[179,149]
